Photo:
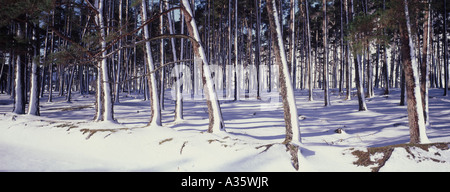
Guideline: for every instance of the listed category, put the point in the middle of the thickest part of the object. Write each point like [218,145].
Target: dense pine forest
[276,57]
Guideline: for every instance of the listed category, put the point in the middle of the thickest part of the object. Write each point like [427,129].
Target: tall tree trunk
[108,114]
[348,70]
[228,67]
[325,55]
[359,81]
[237,67]
[446,73]
[293,138]
[215,114]
[33,107]
[119,56]
[258,48]
[50,66]
[178,95]
[309,55]
[342,59]
[20,94]
[161,58]
[425,63]
[410,67]
[292,42]
[154,99]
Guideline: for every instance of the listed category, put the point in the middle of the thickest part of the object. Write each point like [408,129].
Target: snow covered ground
[64,137]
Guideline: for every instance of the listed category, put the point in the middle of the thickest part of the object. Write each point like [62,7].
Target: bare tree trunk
[348,70]
[446,74]
[19,96]
[154,99]
[229,66]
[237,68]
[410,67]
[108,114]
[424,65]
[178,95]
[120,56]
[292,41]
[293,138]
[309,55]
[215,114]
[359,86]
[258,48]
[286,89]
[161,57]
[33,107]
[50,66]
[325,55]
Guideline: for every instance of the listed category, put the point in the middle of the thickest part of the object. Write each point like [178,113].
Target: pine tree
[410,67]
[154,98]
[215,114]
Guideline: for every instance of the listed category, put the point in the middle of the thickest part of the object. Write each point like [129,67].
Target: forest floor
[335,138]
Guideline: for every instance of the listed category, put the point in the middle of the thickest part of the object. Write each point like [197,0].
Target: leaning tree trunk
[287,92]
[293,138]
[410,68]
[155,105]
[215,114]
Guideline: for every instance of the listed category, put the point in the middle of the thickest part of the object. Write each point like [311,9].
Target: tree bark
[20,94]
[424,65]
[237,68]
[108,114]
[410,67]
[33,107]
[178,95]
[359,86]
[216,123]
[154,99]
[446,73]
[258,49]
[293,138]
[325,55]
[286,89]
[309,55]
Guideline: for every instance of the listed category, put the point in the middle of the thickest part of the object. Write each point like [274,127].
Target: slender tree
[155,119]
[325,55]
[309,55]
[446,73]
[19,97]
[33,107]
[178,95]
[424,64]
[108,113]
[216,123]
[293,138]
[237,67]
[286,89]
[410,67]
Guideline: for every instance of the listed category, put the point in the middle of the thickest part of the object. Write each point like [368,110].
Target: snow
[65,138]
